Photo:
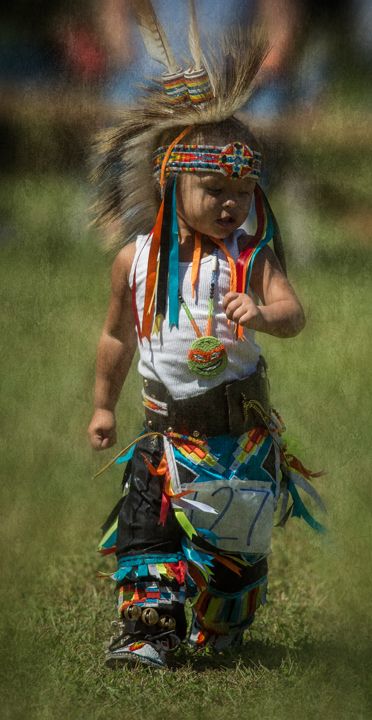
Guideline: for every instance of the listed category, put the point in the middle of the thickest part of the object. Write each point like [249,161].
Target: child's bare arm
[281,313]
[116,348]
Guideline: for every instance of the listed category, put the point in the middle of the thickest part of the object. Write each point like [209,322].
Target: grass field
[309,653]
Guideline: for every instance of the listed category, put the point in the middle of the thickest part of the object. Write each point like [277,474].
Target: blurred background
[66,70]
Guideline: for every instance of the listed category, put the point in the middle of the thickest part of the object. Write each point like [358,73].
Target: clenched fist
[101,431]
[240,308]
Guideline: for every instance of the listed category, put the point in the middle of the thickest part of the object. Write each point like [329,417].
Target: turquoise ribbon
[198,558]
[264,241]
[299,510]
[139,564]
[142,571]
[173,282]
[209,535]
[111,540]
[121,574]
[128,456]
[150,559]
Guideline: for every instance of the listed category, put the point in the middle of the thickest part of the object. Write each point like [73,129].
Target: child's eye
[214,191]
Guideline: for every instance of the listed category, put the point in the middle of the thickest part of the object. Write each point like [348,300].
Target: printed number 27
[266,494]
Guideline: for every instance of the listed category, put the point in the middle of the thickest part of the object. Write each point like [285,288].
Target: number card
[244,519]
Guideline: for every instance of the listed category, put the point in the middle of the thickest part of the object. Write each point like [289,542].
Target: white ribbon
[308,488]
[186,502]
[172,466]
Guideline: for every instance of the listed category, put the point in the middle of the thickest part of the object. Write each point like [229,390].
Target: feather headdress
[124,153]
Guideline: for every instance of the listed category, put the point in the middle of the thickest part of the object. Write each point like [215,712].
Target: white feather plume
[194,37]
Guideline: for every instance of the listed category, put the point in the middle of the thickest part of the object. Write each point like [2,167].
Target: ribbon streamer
[186,502]
[148,311]
[175,484]
[173,279]
[245,256]
[195,262]
[299,510]
[308,488]
[165,239]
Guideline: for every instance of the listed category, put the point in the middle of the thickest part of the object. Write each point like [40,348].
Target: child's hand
[101,431]
[240,308]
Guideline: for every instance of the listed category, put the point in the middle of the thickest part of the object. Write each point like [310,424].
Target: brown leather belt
[221,410]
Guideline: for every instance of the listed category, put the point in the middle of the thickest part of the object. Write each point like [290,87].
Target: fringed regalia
[204,480]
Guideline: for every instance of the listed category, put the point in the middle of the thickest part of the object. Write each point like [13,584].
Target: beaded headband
[235,160]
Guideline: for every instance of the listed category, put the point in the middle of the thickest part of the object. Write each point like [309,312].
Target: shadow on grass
[253,654]
[259,654]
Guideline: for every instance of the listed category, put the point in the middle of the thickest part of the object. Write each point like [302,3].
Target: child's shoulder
[265,256]
[123,262]
[125,256]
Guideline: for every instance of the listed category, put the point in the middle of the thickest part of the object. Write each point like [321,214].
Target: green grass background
[309,653]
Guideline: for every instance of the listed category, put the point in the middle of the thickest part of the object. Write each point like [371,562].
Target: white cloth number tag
[245,510]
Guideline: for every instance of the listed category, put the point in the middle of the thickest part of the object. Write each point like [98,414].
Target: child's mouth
[225,222]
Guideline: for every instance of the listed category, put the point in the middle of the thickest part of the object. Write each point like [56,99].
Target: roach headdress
[135,155]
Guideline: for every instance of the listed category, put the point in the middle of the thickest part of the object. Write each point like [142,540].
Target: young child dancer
[203,480]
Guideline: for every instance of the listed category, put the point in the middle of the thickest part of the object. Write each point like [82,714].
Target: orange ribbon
[195,262]
[230,260]
[168,154]
[295,464]
[148,309]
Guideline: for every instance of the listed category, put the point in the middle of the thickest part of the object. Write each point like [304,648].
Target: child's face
[212,203]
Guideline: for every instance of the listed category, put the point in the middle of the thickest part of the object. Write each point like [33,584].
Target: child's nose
[229,203]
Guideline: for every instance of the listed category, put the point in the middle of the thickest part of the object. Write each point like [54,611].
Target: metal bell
[132,612]
[150,616]
[167,622]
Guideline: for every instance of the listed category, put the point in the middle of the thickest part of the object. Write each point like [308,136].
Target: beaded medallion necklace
[207,356]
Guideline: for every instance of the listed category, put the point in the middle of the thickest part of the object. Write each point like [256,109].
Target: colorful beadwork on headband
[235,160]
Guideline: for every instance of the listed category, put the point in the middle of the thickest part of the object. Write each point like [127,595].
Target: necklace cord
[209,329]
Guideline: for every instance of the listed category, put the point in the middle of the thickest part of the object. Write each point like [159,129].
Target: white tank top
[165,358]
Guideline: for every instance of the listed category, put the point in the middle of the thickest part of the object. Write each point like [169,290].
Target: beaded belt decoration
[235,160]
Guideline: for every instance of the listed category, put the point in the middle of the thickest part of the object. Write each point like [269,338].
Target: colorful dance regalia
[204,480]
[197,520]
